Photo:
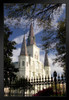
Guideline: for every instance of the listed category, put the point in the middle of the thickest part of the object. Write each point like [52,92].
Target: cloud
[56,66]
[19,22]
[42,58]
[36,29]
[22,23]
[58,15]
[63,6]
[15,55]
[39,45]
[19,39]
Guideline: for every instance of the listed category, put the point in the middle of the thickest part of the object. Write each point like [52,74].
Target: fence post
[42,82]
[34,85]
[62,83]
[55,80]
[37,84]
[52,81]
[45,82]
[59,84]
[29,87]
[48,82]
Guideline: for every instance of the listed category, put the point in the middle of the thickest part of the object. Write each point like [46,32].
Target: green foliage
[56,40]
[61,45]
[22,83]
[31,11]
[9,69]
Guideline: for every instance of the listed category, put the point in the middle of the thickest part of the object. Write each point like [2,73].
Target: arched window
[19,63]
[23,63]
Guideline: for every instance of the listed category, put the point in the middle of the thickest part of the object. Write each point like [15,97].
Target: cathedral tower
[30,65]
[24,48]
[46,66]
[33,50]
[23,60]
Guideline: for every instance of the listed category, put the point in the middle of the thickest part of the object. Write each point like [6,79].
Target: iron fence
[51,86]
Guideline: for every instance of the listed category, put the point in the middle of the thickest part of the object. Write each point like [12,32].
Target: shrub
[45,92]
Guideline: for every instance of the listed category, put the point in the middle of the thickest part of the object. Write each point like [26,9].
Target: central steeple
[31,37]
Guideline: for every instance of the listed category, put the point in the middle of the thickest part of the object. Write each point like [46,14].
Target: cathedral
[29,62]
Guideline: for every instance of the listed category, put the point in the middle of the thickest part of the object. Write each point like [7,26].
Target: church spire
[46,59]
[31,37]
[24,48]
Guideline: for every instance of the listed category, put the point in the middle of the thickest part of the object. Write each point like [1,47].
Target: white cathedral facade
[29,62]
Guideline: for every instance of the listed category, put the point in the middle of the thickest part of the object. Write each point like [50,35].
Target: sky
[21,29]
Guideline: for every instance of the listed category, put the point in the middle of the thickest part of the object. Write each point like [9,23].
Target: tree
[9,69]
[61,45]
[43,12]
[56,40]
[22,84]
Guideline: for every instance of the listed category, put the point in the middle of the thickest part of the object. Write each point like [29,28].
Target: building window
[19,63]
[23,63]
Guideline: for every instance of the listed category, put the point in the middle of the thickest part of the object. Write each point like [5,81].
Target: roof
[46,59]
[31,37]
[24,48]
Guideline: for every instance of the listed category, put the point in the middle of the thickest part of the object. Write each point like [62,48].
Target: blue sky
[21,29]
